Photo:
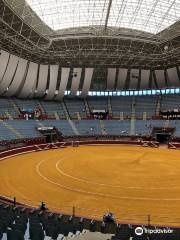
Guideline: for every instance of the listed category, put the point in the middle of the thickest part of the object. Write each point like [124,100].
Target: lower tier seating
[21,223]
[22,129]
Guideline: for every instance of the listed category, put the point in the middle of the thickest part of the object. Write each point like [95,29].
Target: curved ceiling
[151,16]
[24,34]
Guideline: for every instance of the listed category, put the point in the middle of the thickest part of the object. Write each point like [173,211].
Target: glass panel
[69,14]
[147,15]
[177,90]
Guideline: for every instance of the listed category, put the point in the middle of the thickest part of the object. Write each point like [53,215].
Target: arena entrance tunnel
[162,135]
[51,134]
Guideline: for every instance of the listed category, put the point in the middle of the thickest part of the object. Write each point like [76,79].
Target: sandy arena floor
[132,182]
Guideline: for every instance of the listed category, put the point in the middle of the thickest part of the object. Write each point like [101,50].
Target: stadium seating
[7,109]
[97,103]
[123,107]
[26,129]
[21,223]
[17,223]
[76,108]
[169,102]
[145,105]
[26,103]
[53,109]
[88,127]
[14,129]
[117,127]
[6,133]
[62,125]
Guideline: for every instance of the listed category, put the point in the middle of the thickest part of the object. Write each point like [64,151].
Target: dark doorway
[163,137]
[51,137]
[51,134]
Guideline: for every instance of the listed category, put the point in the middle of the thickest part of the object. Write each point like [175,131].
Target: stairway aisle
[74,128]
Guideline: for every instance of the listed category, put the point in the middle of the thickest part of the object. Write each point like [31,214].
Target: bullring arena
[135,183]
[89,119]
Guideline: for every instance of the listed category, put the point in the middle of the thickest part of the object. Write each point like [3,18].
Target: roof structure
[93,33]
[145,15]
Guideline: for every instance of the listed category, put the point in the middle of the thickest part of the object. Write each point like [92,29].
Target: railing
[44,146]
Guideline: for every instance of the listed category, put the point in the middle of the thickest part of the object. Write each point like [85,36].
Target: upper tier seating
[75,108]
[26,103]
[169,102]
[121,105]
[7,109]
[53,109]
[145,105]
[98,103]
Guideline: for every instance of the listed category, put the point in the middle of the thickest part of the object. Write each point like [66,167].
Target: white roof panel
[146,15]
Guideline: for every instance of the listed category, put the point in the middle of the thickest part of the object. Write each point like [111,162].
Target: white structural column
[160,78]
[9,74]
[134,77]
[75,81]
[4,58]
[63,83]
[111,77]
[18,77]
[30,81]
[87,81]
[42,80]
[145,74]
[53,81]
[122,75]
[173,77]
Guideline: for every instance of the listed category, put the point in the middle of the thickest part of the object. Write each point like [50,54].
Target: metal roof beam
[107,15]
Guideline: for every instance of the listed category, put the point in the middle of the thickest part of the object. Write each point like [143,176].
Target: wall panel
[30,81]
[173,77]
[18,77]
[42,80]
[63,83]
[111,77]
[53,81]
[87,81]
[145,74]
[4,58]
[122,75]
[75,81]
[160,78]
[134,78]
[9,74]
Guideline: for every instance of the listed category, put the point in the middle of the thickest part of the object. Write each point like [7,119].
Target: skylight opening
[147,15]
